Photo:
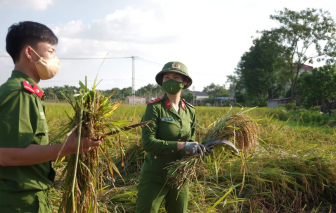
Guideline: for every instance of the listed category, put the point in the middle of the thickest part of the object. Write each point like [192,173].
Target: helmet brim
[159,77]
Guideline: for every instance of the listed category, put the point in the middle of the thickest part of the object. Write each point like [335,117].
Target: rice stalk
[232,126]
[84,172]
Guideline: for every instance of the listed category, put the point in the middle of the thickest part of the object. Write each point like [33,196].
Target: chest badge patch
[167,119]
[42,115]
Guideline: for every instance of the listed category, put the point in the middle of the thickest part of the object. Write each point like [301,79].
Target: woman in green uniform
[167,138]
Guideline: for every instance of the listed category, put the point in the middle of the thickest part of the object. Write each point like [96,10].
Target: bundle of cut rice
[84,173]
[237,127]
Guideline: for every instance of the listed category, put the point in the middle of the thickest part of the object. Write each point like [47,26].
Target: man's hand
[86,144]
[35,154]
[193,148]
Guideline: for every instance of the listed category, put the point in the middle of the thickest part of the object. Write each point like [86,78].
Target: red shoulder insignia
[27,86]
[188,104]
[168,104]
[38,92]
[182,105]
[154,101]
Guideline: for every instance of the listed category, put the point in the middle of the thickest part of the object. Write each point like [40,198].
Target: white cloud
[27,4]
[128,25]
[208,36]
[122,33]
[188,33]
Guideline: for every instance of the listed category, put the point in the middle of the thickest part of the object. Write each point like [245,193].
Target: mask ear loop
[31,60]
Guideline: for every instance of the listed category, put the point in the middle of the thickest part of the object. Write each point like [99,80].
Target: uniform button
[179,119]
[172,150]
[181,130]
[155,157]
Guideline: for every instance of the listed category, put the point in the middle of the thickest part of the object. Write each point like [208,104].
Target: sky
[209,37]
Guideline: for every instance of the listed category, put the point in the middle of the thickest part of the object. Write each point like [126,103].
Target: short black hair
[27,33]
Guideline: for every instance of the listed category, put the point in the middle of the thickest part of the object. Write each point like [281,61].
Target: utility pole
[133,80]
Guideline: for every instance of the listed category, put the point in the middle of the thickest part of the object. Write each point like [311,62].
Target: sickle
[213,142]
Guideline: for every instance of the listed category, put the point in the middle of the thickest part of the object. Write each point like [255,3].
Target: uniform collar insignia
[182,105]
[168,104]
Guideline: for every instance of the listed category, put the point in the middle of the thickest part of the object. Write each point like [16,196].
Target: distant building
[272,103]
[199,96]
[222,101]
[137,100]
[304,68]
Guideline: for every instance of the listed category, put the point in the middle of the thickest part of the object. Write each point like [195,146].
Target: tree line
[272,67]
[148,92]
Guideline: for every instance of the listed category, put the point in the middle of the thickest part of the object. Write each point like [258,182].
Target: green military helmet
[177,67]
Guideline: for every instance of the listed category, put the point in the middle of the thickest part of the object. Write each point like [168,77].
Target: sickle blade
[220,141]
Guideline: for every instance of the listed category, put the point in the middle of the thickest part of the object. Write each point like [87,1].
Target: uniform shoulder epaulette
[34,90]
[154,101]
[189,104]
[27,86]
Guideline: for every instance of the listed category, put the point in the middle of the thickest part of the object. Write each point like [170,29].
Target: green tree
[236,86]
[187,96]
[308,36]
[318,86]
[57,91]
[150,90]
[116,96]
[258,70]
[127,91]
[214,90]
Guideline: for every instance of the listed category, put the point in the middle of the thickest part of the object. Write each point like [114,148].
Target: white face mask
[47,68]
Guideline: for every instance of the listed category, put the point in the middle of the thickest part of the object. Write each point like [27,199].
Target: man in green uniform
[26,174]
[167,138]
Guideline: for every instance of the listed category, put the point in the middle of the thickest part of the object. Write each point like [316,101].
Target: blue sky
[209,37]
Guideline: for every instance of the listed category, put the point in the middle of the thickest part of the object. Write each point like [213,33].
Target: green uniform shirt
[22,123]
[160,140]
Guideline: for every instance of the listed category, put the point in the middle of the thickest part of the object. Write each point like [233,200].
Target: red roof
[307,67]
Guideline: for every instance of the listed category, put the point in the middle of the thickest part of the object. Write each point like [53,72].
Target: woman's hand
[193,148]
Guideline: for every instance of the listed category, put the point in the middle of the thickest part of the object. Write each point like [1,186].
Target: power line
[108,58]
[129,58]
[110,79]
[148,61]
[92,58]
[65,58]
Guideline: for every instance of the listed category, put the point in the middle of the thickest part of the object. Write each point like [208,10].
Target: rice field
[291,170]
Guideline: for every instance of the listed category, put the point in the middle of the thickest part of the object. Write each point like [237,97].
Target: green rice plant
[83,171]
[134,158]
[291,106]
